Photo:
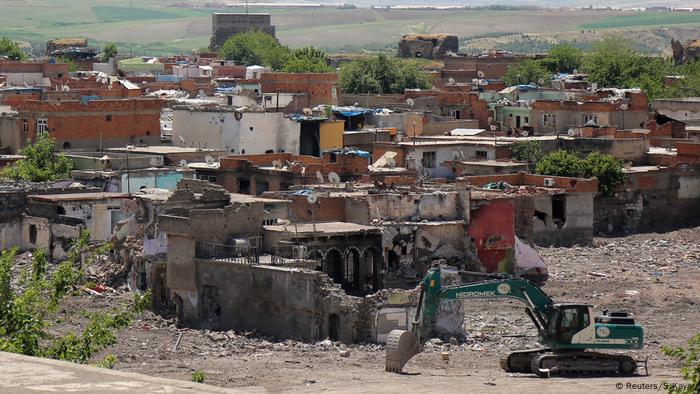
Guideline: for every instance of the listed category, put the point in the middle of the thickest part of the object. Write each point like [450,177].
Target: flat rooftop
[493,163]
[77,197]
[165,149]
[322,227]
[247,198]
[657,150]
[638,169]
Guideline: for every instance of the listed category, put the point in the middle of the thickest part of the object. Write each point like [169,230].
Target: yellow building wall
[331,134]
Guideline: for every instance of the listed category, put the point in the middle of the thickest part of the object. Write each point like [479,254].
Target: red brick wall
[587,106]
[480,110]
[492,67]
[49,70]
[381,148]
[688,148]
[319,86]
[492,226]
[229,71]
[344,164]
[638,101]
[571,185]
[131,119]
[16,99]
[688,152]
[327,209]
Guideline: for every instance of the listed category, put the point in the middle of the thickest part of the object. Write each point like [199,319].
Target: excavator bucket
[400,347]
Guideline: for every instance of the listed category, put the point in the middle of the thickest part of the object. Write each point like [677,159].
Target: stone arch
[333,264]
[352,269]
[372,269]
[318,256]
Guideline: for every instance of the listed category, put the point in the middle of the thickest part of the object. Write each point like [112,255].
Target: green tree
[381,74]
[526,72]
[11,49]
[108,52]
[690,358]
[307,60]
[613,63]
[255,48]
[40,164]
[560,163]
[606,168]
[528,151]
[608,63]
[567,57]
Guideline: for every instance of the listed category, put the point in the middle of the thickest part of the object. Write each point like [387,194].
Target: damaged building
[428,46]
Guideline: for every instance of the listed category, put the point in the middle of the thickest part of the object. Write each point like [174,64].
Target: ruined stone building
[226,25]
[86,124]
[684,53]
[429,46]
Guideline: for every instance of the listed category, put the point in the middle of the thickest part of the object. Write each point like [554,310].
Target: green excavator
[568,332]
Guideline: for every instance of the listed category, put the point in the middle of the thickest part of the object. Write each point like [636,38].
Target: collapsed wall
[277,301]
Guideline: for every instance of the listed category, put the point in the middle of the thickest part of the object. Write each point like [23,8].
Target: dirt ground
[655,276]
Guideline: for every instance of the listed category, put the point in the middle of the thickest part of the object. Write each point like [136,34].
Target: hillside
[154,27]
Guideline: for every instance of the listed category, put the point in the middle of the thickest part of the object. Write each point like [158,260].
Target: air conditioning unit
[548,182]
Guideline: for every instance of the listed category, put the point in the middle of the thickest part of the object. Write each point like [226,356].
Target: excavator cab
[566,321]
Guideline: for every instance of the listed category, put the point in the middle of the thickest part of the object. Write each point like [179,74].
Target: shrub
[690,357]
[198,376]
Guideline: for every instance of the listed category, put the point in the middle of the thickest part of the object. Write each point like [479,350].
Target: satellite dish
[571,132]
[209,160]
[451,80]
[410,102]
[524,133]
[334,178]
[311,198]
[624,107]
[183,163]
[307,111]
[493,127]
[277,164]
[319,176]
[490,119]
[480,74]
[390,162]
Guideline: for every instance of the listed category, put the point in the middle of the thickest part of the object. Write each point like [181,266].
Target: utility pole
[128,181]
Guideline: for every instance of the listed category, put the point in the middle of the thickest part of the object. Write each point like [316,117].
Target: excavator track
[582,363]
[519,361]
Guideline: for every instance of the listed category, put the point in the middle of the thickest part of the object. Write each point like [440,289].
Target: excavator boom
[568,331]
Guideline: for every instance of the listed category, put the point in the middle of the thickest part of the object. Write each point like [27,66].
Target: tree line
[611,63]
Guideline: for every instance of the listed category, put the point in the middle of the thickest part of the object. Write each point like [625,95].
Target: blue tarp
[350,151]
[87,99]
[168,78]
[301,118]
[349,114]
[526,88]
